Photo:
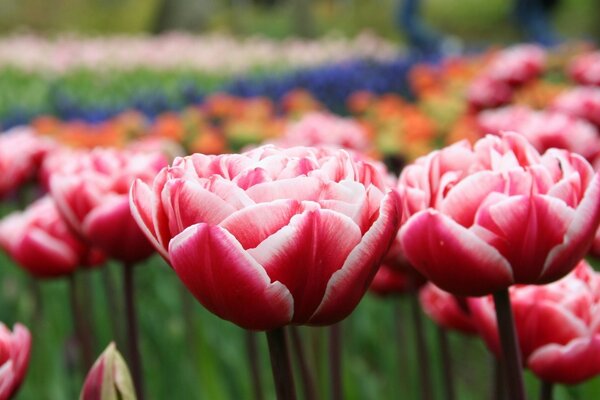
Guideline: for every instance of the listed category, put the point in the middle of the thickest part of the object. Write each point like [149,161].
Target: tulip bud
[109,378]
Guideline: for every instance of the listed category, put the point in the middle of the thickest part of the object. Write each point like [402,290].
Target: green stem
[253,360]
[280,364]
[335,361]
[308,380]
[546,390]
[421,345]
[513,366]
[447,375]
[132,331]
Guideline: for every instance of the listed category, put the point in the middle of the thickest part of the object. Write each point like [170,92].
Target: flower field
[300,219]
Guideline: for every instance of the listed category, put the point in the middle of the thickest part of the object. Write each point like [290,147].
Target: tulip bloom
[580,102]
[543,129]
[14,358]
[21,153]
[40,241]
[321,129]
[558,325]
[444,309]
[585,69]
[109,378]
[271,237]
[483,218]
[91,192]
[517,64]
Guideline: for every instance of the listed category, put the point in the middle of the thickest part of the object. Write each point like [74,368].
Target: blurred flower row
[180,51]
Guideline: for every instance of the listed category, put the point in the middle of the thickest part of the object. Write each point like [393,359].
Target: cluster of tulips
[490,236]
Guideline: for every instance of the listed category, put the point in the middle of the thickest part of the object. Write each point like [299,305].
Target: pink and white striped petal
[304,255]
[227,280]
[452,257]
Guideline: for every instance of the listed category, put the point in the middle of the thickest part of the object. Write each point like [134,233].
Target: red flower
[109,378]
[558,325]
[40,241]
[14,358]
[271,237]
[91,192]
[485,217]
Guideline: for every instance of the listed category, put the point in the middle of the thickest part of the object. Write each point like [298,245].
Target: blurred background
[72,69]
[471,21]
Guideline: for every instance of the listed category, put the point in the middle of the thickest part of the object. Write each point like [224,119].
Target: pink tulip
[580,102]
[517,64]
[21,153]
[544,129]
[91,192]
[14,358]
[485,217]
[585,69]
[446,310]
[485,92]
[396,276]
[40,241]
[271,237]
[321,129]
[109,378]
[558,326]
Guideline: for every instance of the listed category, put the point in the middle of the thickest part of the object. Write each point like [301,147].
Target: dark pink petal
[579,236]
[453,257]
[529,227]
[44,255]
[252,225]
[20,349]
[483,315]
[304,254]
[571,364]
[227,280]
[543,322]
[7,379]
[112,228]
[347,286]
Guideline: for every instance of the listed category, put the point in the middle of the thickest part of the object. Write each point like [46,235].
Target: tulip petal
[528,227]
[542,322]
[579,236]
[304,254]
[463,200]
[112,228]
[44,255]
[188,203]
[453,257]
[571,364]
[347,285]
[300,188]
[7,379]
[252,225]
[141,204]
[227,280]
